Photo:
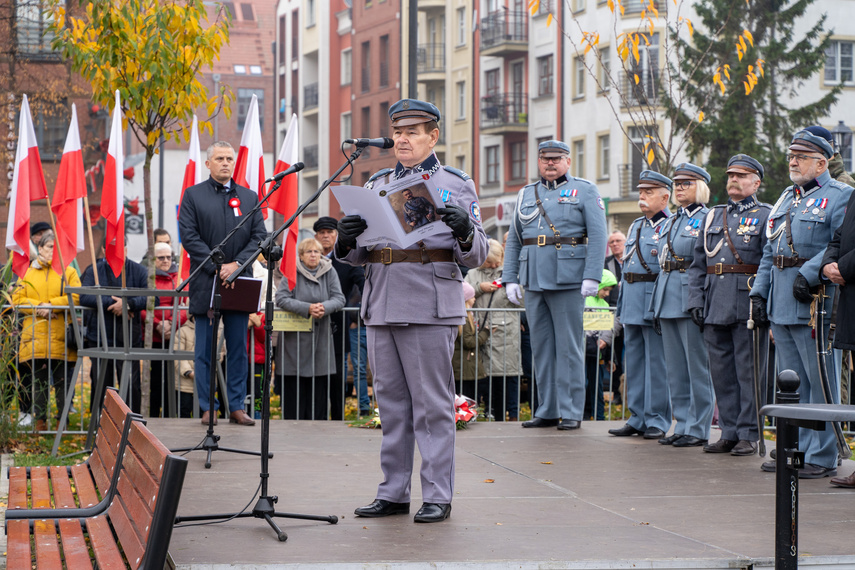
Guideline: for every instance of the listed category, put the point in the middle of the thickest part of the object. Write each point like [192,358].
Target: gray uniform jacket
[504,326]
[814,216]
[724,297]
[430,293]
[312,355]
[575,208]
[635,306]
[671,289]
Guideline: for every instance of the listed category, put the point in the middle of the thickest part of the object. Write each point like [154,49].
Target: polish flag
[28,184]
[113,194]
[249,166]
[286,200]
[192,176]
[68,199]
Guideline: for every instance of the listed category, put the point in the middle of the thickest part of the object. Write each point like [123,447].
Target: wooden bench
[93,480]
[133,532]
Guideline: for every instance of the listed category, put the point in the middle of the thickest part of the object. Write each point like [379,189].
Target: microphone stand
[264,508]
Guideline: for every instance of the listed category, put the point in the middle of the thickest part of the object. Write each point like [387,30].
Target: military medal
[654,252]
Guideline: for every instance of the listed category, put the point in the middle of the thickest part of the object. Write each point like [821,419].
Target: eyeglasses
[552,159]
[164,257]
[312,251]
[684,183]
[800,157]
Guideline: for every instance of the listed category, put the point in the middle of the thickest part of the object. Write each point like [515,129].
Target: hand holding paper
[457,219]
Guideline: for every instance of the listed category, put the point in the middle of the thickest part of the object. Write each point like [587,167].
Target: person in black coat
[209,211]
[136,277]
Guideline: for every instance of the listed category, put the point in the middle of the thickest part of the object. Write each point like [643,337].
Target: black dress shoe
[625,431]
[653,433]
[744,448]
[769,466]
[570,424]
[538,422]
[382,508]
[433,512]
[721,446]
[812,471]
[689,441]
[670,439]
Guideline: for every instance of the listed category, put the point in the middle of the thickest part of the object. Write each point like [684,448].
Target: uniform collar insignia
[658,217]
[429,166]
[555,184]
[691,209]
[742,205]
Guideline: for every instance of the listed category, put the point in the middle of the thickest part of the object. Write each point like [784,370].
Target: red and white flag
[286,200]
[113,194]
[68,197]
[249,166]
[192,176]
[28,184]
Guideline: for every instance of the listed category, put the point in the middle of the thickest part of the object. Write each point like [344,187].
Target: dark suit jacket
[205,219]
[612,265]
[349,276]
[841,249]
[136,277]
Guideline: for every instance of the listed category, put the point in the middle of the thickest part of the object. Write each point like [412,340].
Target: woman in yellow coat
[44,358]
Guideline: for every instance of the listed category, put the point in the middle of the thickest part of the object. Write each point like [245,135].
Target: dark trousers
[593,388]
[501,396]
[303,397]
[37,376]
[159,398]
[114,370]
[336,381]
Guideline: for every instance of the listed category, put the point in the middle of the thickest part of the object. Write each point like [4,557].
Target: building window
[605,69]
[579,72]
[461,100]
[50,122]
[244,99]
[604,144]
[346,125]
[460,163]
[310,13]
[32,24]
[255,70]
[839,63]
[366,66]
[578,6]
[544,75]
[383,120]
[492,164]
[462,28]
[545,7]
[579,158]
[346,66]
[491,80]
[518,160]
[366,122]
[384,61]
[239,69]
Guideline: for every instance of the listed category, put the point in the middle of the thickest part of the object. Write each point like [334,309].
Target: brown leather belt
[721,268]
[552,240]
[675,265]
[783,261]
[388,255]
[639,277]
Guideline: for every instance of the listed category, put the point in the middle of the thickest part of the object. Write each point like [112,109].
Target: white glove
[514,293]
[589,287]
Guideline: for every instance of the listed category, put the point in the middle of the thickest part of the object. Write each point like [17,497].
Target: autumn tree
[152,52]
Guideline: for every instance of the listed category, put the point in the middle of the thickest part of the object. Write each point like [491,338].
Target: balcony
[643,93]
[637,6]
[626,177]
[431,58]
[504,33]
[504,113]
[310,156]
[310,96]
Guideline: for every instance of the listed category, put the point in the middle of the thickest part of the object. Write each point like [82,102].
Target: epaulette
[456,172]
[838,184]
[380,173]
[583,180]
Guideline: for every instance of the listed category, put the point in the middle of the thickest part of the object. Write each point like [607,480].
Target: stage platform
[524,498]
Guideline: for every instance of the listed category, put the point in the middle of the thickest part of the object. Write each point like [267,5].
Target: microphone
[382,142]
[296,167]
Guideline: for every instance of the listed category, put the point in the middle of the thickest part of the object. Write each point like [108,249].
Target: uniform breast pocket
[570,210]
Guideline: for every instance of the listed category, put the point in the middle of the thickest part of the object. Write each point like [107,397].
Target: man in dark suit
[614,262]
[349,276]
[209,211]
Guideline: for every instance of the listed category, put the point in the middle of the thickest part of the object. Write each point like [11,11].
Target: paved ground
[546,499]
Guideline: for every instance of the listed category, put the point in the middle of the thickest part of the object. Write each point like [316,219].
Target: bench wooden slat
[47,547]
[85,486]
[149,449]
[139,509]
[140,477]
[130,537]
[18,544]
[103,544]
[18,488]
[40,489]
[63,496]
[101,469]
[74,548]
[107,442]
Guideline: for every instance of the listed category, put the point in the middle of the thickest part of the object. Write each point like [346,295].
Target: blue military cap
[553,148]
[821,132]
[806,141]
[745,164]
[412,112]
[651,179]
[689,171]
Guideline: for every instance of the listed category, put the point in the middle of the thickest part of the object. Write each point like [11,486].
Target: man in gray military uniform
[412,305]
[727,255]
[647,393]
[801,225]
[555,250]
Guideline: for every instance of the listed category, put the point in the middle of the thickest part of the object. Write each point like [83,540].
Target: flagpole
[91,240]
[57,250]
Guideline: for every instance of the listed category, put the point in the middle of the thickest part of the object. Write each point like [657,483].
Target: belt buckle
[779,261]
[629,277]
[384,258]
[541,241]
[719,268]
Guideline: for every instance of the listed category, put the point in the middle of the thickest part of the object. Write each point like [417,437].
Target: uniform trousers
[414,387]
[731,350]
[796,351]
[558,351]
[646,380]
[692,399]
[234,329]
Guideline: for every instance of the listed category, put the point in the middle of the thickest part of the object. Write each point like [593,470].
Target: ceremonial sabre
[821,353]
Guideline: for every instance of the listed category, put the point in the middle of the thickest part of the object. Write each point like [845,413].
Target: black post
[789,460]
[413,51]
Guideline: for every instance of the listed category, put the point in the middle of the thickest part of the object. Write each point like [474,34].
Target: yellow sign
[598,320]
[291,322]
